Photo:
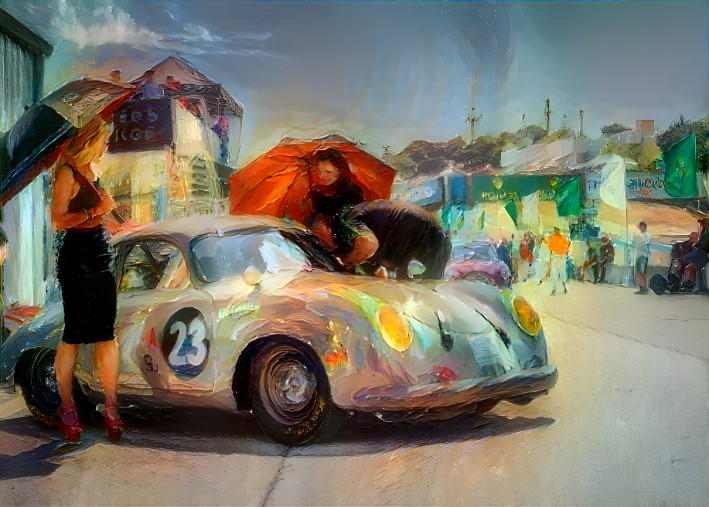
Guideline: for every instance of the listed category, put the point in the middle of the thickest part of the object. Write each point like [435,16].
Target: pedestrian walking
[641,245]
[559,247]
[607,253]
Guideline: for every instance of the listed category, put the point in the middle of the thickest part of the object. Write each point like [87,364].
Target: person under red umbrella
[298,178]
[80,211]
[331,191]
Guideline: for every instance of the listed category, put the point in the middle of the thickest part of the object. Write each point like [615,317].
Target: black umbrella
[55,118]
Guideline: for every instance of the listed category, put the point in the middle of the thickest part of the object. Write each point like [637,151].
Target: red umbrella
[277,183]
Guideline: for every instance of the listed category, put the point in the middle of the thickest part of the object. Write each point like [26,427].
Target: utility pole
[564,124]
[471,117]
[581,120]
[547,113]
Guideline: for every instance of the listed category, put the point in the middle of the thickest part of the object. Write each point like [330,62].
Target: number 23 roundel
[184,343]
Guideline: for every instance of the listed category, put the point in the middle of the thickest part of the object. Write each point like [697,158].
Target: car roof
[184,229]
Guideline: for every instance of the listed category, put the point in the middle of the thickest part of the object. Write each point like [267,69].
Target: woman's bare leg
[64,368]
[107,359]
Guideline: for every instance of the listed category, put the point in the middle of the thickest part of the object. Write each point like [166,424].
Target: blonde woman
[83,269]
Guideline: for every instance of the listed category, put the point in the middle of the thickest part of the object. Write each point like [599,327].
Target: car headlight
[525,316]
[395,329]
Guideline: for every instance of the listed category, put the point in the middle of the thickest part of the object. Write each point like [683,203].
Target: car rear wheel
[290,392]
[35,375]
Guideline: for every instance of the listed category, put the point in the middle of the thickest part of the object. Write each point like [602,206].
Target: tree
[681,127]
[614,128]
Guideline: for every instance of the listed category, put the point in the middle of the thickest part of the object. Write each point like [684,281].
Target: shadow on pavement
[209,431]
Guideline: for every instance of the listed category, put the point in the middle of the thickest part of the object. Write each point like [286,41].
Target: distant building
[169,157]
[644,131]
[24,217]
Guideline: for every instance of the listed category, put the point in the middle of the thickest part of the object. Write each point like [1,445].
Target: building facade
[25,217]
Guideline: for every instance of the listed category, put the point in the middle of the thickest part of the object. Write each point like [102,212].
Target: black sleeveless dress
[84,271]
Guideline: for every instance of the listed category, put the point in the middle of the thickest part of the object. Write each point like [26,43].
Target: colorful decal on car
[184,344]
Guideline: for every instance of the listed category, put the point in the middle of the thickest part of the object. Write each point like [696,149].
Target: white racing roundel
[184,344]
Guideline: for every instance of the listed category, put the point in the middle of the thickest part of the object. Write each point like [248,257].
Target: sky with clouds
[387,73]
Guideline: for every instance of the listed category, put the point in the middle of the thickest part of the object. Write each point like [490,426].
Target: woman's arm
[63,191]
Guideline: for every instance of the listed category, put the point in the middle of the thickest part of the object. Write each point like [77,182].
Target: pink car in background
[479,261]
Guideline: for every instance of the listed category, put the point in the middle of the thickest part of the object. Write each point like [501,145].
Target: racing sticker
[185,344]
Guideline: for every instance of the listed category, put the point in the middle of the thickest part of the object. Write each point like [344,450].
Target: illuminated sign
[140,125]
[425,194]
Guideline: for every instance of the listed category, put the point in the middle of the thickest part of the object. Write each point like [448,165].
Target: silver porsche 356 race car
[250,313]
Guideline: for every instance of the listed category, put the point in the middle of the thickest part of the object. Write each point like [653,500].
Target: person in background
[641,245]
[525,252]
[516,256]
[389,234]
[116,75]
[590,262]
[503,253]
[148,88]
[221,128]
[559,247]
[331,191]
[84,273]
[607,253]
[699,256]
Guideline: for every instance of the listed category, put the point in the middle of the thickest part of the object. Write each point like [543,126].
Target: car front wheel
[290,392]
[34,373]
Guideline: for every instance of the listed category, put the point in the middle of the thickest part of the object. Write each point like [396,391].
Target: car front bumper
[514,384]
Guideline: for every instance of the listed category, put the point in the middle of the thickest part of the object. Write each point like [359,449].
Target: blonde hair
[85,147]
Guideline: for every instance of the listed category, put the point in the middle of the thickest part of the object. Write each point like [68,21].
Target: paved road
[627,424]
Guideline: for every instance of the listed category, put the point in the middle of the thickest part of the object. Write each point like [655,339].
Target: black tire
[34,373]
[290,392]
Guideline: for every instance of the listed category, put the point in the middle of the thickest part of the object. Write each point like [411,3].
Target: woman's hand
[105,204]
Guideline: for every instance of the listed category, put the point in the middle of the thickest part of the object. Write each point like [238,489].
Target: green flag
[511,208]
[567,196]
[681,167]
[481,221]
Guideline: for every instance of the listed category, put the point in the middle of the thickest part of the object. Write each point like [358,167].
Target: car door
[165,326]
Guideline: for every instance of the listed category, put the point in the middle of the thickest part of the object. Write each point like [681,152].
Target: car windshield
[482,252]
[218,257]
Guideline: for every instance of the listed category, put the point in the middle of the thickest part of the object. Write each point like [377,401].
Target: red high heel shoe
[68,423]
[114,425]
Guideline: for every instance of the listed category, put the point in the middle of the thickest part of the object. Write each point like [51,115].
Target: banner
[612,189]
[511,208]
[640,185]
[567,196]
[681,167]
[530,209]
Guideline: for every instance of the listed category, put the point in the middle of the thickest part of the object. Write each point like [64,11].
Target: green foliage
[614,128]
[681,127]
[558,134]
[644,154]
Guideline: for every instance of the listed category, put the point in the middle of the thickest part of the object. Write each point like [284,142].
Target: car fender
[45,330]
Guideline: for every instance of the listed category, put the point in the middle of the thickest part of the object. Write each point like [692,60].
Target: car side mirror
[252,275]
[415,269]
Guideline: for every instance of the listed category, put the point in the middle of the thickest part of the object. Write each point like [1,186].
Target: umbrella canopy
[277,184]
[56,117]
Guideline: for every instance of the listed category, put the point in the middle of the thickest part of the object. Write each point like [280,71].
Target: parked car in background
[250,313]
[478,261]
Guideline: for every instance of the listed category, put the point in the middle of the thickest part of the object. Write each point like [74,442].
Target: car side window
[153,265]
